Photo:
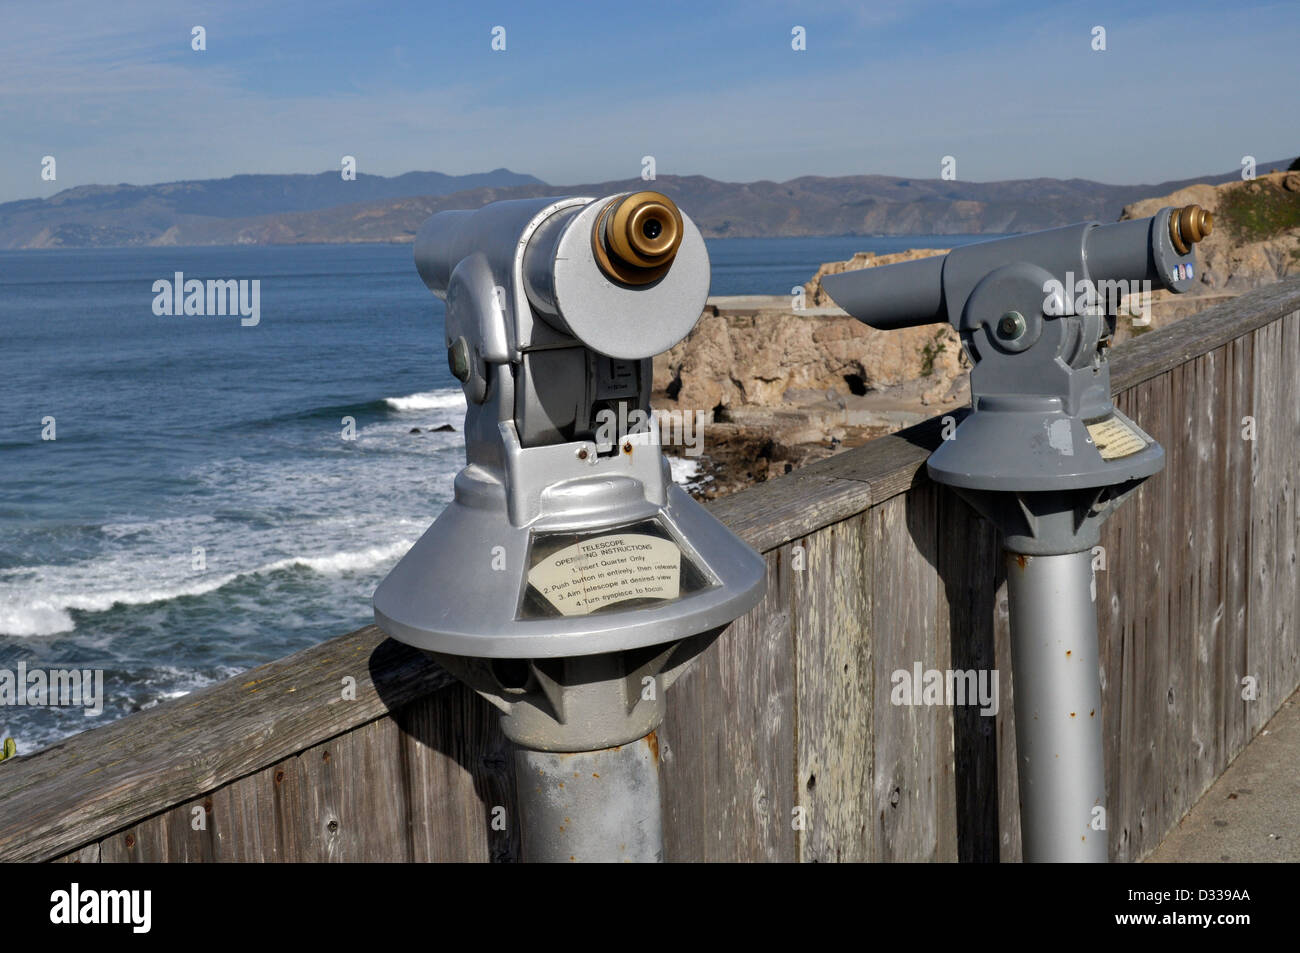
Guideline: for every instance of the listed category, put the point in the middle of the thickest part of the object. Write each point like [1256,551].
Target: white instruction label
[607,569]
[1114,438]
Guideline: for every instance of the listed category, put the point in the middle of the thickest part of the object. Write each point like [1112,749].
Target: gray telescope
[570,581]
[1047,458]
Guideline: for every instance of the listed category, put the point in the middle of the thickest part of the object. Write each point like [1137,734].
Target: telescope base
[586,755]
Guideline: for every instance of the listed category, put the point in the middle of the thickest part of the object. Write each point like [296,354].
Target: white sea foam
[337,563]
[50,612]
[684,469]
[341,509]
[444,399]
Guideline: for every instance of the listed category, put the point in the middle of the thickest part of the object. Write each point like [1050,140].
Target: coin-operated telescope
[570,581]
[1046,457]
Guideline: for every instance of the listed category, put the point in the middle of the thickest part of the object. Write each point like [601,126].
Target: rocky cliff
[818,298]
[780,387]
[1256,237]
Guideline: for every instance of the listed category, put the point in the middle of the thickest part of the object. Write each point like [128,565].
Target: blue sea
[198,511]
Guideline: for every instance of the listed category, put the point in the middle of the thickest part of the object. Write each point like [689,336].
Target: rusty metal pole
[1057,686]
[591,806]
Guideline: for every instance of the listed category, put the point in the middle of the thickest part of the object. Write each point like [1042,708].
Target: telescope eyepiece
[1189,225]
[635,238]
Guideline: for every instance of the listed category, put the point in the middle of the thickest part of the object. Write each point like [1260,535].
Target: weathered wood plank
[236,821]
[460,780]
[727,744]
[904,602]
[774,513]
[1123,658]
[88,786]
[1267,506]
[326,829]
[1163,779]
[1286,656]
[928,502]
[969,556]
[831,609]
[1235,574]
[1009,843]
[85,855]
[1198,542]
[1112,590]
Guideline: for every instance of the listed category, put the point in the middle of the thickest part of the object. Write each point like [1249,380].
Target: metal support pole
[1057,687]
[591,806]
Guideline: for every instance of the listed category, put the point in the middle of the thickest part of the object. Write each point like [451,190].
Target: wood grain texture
[905,599]
[1238,489]
[1289,536]
[727,743]
[832,604]
[1268,505]
[459,775]
[969,570]
[1199,543]
[1148,756]
[1008,832]
[94,783]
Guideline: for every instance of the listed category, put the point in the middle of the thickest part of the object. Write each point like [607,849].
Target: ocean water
[199,512]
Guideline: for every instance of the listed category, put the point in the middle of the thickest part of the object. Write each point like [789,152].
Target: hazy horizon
[1264,166]
[1009,90]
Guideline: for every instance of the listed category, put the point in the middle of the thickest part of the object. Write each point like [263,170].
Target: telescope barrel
[893,296]
[1121,252]
[934,290]
[634,241]
[435,247]
[626,275]
[1140,250]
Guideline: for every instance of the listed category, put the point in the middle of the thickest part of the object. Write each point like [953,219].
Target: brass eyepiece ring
[1189,225]
[635,238]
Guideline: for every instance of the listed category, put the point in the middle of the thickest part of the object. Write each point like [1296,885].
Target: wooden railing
[362,749]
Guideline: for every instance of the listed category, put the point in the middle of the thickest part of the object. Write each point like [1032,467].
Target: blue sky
[584,90]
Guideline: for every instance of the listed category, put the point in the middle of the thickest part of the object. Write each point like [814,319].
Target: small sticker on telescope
[1114,438]
[604,570]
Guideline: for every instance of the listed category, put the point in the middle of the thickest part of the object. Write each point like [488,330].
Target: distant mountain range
[93,215]
[290,209]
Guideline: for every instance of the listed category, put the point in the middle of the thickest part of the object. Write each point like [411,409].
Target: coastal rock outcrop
[818,298]
[1256,237]
[1256,240]
[767,357]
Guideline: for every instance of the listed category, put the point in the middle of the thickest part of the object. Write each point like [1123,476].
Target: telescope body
[1035,314]
[554,309]
[937,289]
